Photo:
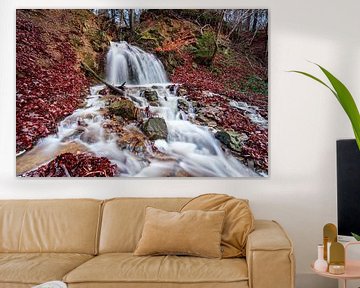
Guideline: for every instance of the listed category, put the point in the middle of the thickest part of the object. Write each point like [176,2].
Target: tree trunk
[218,32]
[220,23]
[117,90]
[121,17]
[254,23]
[248,21]
[103,12]
[121,24]
[237,25]
[131,19]
[113,15]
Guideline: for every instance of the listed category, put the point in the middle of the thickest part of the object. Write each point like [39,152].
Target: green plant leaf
[356,236]
[316,79]
[346,100]
[344,97]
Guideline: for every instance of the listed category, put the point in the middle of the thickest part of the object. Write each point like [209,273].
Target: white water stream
[189,148]
[251,112]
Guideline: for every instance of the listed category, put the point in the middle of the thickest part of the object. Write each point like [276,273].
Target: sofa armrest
[269,256]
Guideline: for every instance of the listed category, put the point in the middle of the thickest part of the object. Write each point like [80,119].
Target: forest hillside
[213,62]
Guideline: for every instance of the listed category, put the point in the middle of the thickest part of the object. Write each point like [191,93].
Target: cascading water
[189,148]
[130,64]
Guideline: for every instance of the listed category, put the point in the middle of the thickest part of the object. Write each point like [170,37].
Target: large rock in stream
[133,140]
[151,95]
[183,104]
[231,139]
[155,128]
[124,108]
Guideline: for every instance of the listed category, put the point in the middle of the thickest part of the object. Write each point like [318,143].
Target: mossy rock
[231,139]
[183,104]
[124,108]
[155,128]
[151,95]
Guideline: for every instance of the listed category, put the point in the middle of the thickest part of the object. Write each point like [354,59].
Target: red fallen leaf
[44,95]
[199,79]
[75,165]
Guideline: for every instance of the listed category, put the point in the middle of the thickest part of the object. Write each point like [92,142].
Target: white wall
[305,120]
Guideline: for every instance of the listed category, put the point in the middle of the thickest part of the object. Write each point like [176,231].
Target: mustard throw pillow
[239,220]
[196,233]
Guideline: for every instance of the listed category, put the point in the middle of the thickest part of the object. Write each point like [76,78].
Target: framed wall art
[142,93]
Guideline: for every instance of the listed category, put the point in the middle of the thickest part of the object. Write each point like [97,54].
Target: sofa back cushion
[123,220]
[66,226]
[238,224]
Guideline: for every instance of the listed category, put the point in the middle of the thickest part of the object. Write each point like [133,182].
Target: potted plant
[345,99]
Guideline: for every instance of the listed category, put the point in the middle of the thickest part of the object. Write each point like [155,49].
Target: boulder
[183,104]
[155,128]
[124,108]
[133,140]
[151,95]
[231,139]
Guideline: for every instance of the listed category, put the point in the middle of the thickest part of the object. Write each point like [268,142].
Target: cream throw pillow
[238,223]
[194,232]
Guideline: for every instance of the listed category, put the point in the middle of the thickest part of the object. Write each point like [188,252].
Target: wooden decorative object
[330,236]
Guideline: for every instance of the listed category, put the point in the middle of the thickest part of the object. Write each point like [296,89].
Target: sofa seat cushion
[127,268]
[36,268]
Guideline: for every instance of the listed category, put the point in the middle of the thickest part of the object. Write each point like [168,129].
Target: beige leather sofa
[89,243]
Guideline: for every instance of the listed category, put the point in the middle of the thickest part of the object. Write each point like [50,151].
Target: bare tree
[220,24]
[255,20]
[248,21]
[238,20]
[121,17]
[131,19]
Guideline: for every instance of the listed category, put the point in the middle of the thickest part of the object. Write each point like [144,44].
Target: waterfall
[189,148]
[130,64]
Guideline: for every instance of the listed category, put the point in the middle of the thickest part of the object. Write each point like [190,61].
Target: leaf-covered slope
[49,82]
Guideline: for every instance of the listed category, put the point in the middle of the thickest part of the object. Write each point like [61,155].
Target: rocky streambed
[153,130]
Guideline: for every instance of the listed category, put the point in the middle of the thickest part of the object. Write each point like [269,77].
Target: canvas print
[142,93]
